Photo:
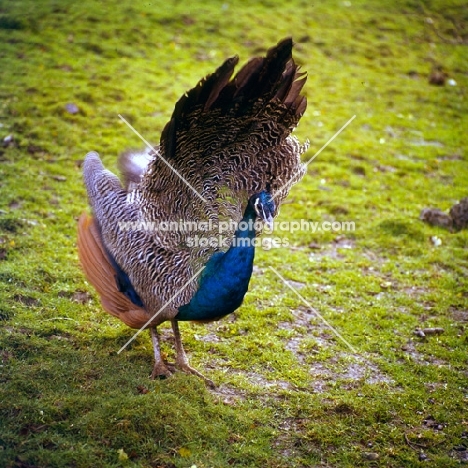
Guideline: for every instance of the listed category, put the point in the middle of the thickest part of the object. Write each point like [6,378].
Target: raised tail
[230,138]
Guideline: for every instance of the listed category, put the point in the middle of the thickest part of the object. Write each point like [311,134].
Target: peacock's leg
[181,358]
[160,369]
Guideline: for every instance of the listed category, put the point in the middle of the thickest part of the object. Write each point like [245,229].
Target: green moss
[291,392]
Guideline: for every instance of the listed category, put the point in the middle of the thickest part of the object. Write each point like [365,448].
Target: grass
[291,393]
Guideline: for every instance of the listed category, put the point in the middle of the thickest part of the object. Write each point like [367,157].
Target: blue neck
[226,277]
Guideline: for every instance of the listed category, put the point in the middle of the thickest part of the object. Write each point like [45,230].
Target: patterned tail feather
[220,129]
[227,139]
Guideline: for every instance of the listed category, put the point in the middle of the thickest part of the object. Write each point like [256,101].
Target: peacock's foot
[181,358]
[164,370]
[160,371]
[183,365]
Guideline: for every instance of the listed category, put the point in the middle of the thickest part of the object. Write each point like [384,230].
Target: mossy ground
[291,393]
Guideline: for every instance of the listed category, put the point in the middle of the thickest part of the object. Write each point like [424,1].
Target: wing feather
[101,275]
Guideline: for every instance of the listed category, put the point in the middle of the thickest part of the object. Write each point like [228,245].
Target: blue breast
[224,281]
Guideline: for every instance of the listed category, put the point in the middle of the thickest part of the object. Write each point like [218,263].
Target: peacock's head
[264,207]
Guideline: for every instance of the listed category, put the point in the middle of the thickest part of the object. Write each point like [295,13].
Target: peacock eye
[258,206]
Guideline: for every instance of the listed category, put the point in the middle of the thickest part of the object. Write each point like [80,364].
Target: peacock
[226,158]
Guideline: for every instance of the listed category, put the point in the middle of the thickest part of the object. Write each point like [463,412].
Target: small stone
[71,108]
[371,456]
[433,331]
[436,241]
[82,297]
[422,457]
[8,140]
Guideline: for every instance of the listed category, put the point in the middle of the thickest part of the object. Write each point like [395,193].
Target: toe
[160,371]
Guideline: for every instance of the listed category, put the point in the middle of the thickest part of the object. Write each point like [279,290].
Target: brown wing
[101,275]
